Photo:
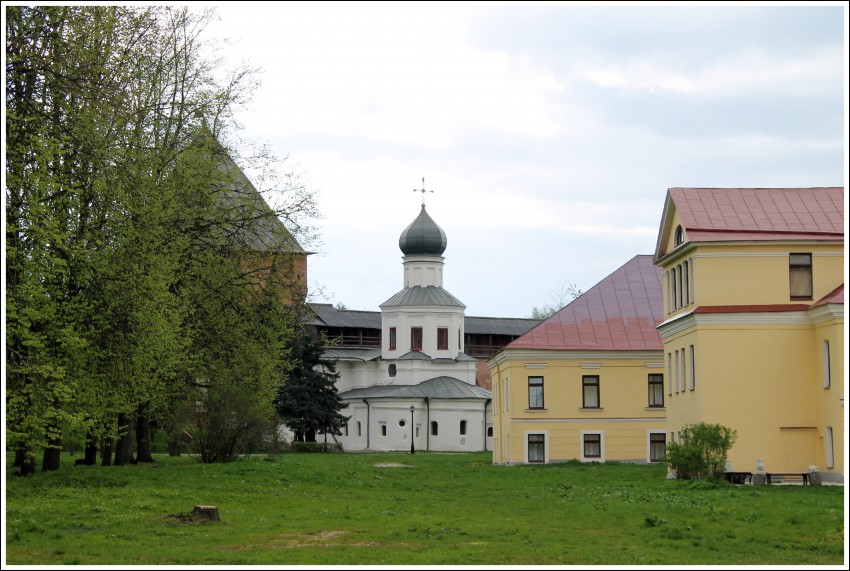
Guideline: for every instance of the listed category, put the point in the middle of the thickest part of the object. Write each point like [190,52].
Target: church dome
[423,237]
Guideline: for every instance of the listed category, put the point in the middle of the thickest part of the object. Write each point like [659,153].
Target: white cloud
[753,69]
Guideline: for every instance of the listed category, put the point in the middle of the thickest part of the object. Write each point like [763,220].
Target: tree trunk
[25,460]
[52,455]
[124,446]
[143,438]
[106,452]
[91,450]
[20,455]
[174,446]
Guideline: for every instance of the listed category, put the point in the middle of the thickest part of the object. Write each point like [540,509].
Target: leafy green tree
[307,399]
[702,451]
[110,245]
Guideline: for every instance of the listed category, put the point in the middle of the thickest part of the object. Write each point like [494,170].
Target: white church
[415,388]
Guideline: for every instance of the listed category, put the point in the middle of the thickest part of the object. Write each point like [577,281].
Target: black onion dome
[422,237]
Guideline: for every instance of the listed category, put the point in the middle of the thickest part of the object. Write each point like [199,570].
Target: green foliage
[299,446]
[702,452]
[124,288]
[307,399]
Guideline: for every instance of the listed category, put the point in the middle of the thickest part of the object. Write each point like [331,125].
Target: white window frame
[545,434]
[649,434]
[830,452]
[827,375]
[601,457]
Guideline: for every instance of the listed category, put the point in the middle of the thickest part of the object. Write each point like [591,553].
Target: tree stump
[207,512]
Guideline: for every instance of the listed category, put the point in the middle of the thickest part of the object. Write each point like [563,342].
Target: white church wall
[358,374]
[385,425]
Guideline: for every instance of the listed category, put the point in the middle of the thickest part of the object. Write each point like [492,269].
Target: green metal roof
[351,354]
[423,237]
[421,296]
[439,388]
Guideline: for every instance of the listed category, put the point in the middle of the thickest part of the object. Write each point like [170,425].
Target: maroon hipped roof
[619,313]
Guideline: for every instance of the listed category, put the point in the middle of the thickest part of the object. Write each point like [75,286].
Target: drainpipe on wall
[486,402]
[367,423]
[427,424]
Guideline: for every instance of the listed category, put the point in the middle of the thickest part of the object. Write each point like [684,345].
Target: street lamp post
[412,449]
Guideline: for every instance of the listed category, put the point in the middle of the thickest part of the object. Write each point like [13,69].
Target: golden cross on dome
[423,191]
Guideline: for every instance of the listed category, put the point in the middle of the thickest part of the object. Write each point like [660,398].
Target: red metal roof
[710,214]
[835,296]
[618,313]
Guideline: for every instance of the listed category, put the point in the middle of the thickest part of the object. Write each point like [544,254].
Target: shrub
[298,446]
[702,451]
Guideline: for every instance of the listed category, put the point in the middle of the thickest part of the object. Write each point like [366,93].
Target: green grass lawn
[437,509]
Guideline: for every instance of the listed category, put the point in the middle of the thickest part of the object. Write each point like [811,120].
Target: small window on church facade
[442,338]
[462,427]
[433,428]
[416,338]
[392,338]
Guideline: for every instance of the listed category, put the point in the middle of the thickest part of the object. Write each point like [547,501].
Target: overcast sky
[549,134]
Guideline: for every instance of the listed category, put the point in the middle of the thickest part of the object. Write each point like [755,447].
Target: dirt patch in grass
[293,540]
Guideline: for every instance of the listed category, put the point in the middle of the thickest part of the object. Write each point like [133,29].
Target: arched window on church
[359,432]
[433,428]
[462,427]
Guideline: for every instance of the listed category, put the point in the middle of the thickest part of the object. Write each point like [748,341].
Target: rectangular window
[670,291]
[675,290]
[590,391]
[537,448]
[416,338]
[657,446]
[592,445]
[392,338]
[679,284]
[669,374]
[656,390]
[693,369]
[827,381]
[676,372]
[830,453]
[434,428]
[685,288]
[535,392]
[800,271]
[684,379]
[442,338]
[462,427]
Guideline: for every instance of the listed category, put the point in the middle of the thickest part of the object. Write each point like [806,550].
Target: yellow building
[588,382]
[753,327]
